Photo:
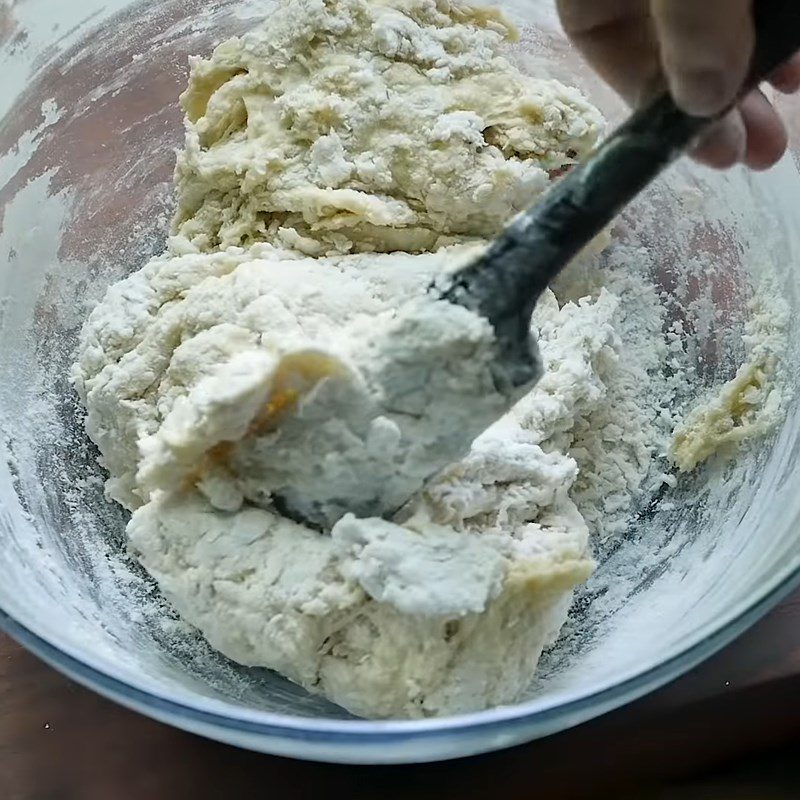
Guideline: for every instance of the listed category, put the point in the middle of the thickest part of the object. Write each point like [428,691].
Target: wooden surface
[60,742]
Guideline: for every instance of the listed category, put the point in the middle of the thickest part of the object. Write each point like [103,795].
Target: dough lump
[339,159]
[354,126]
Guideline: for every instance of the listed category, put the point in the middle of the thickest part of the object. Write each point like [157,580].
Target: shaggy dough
[337,161]
[279,360]
[369,126]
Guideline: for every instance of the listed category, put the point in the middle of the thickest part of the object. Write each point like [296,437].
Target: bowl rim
[534,713]
[557,717]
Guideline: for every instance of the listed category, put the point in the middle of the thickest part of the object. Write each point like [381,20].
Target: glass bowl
[89,130]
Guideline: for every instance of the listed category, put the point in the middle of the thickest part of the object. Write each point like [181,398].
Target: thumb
[706,49]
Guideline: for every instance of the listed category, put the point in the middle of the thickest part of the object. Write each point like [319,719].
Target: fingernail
[701,93]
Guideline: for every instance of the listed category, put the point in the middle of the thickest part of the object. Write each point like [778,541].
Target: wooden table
[61,742]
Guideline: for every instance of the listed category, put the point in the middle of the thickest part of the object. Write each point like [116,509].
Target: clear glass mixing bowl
[89,129]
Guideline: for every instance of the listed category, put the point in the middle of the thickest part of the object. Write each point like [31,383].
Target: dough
[338,160]
[266,591]
[369,126]
[752,403]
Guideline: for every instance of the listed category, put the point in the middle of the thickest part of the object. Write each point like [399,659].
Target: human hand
[704,48]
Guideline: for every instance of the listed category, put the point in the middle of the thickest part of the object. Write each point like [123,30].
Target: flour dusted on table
[338,160]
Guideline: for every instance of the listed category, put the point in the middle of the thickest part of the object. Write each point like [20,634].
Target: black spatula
[506,283]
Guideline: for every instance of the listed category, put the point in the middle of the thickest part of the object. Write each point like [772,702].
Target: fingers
[752,134]
[787,78]
[617,38]
[706,48]
[767,138]
[725,144]
[580,17]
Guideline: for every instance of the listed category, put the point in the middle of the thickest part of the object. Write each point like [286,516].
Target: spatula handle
[505,284]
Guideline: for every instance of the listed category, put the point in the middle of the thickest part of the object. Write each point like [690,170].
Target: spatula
[505,284]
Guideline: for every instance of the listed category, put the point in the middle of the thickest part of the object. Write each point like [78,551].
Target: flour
[284,352]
